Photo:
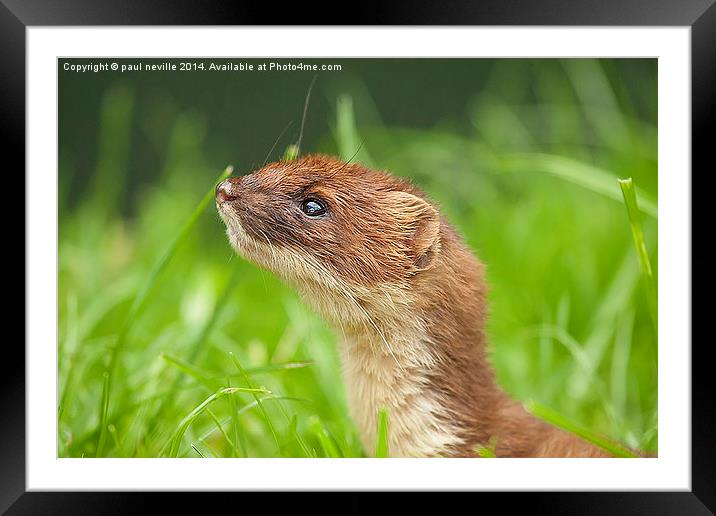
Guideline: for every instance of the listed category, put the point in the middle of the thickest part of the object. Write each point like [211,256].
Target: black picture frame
[699,15]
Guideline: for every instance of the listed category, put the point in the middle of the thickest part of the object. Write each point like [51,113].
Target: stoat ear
[422,223]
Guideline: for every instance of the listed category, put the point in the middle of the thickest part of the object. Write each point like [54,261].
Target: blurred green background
[157,317]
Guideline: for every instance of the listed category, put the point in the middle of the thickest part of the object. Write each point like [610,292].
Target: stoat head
[350,239]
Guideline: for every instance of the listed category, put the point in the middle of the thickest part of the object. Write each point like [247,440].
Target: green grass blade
[598,101]
[115,132]
[350,145]
[194,351]
[252,405]
[628,191]
[162,263]
[258,401]
[239,448]
[200,409]
[214,379]
[328,443]
[604,314]
[292,428]
[275,368]
[193,447]
[103,414]
[582,174]
[293,431]
[381,440]
[487,451]
[220,427]
[558,420]
[189,370]
[575,349]
[291,152]
[196,347]
[152,278]
[69,348]
[267,369]
[271,397]
[619,374]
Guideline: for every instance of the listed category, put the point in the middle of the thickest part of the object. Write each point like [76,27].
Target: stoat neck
[393,371]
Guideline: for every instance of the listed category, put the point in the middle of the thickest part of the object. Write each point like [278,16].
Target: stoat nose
[227,190]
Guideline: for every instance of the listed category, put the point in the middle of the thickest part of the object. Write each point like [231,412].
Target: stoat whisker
[305,112]
[268,155]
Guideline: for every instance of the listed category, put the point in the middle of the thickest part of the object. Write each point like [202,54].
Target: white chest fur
[392,374]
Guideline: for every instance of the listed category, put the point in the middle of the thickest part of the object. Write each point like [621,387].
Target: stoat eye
[313,207]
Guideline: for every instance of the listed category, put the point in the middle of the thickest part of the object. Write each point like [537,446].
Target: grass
[141,297]
[487,451]
[170,345]
[381,441]
[582,174]
[628,189]
[175,441]
[558,420]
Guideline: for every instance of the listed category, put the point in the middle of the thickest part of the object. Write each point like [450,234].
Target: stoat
[371,254]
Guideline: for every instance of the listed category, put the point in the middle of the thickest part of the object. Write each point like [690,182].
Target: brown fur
[381,259]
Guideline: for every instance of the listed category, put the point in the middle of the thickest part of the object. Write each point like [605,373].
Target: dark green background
[240,114]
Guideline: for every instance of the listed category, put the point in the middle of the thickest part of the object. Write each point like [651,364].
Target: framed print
[360,258]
